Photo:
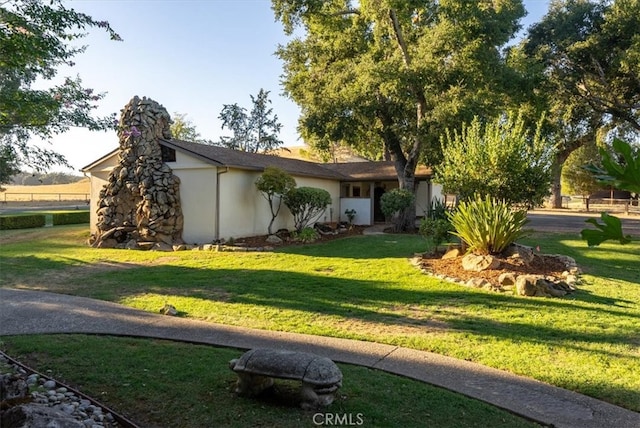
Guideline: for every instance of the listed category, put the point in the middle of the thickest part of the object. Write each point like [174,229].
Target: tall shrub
[501,159]
[307,204]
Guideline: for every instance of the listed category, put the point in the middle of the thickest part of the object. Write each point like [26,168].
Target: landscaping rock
[519,252]
[38,415]
[507,278]
[274,239]
[452,254]
[526,285]
[168,309]
[534,285]
[477,283]
[477,263]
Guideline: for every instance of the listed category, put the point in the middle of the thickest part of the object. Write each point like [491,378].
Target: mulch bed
[541,265]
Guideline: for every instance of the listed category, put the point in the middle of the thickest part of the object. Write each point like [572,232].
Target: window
[168,154]
[356,191]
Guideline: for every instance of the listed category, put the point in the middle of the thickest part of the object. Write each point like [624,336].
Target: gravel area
[32,400]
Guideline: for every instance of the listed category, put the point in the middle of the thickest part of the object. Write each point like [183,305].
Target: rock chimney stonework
[140,205]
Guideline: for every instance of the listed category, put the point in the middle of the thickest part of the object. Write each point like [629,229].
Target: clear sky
[191,56]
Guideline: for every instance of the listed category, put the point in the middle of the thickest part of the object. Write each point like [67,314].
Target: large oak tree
[588,57]
[388,76]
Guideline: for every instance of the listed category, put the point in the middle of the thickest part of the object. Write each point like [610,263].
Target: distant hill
[81,186]
[31,179]
[342,154]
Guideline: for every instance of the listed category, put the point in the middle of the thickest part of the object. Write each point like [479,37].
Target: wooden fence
[43,197]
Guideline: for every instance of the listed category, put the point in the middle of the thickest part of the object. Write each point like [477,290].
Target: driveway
[574,222]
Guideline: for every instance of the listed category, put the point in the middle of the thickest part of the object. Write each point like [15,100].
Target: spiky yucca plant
[488,226]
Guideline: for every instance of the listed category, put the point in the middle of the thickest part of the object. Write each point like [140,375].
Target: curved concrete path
[33,312]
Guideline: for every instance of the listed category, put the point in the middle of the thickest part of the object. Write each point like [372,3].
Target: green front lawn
[163,384]
[364,288]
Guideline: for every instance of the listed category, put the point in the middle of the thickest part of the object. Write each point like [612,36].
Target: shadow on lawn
[420,304]
[366,300]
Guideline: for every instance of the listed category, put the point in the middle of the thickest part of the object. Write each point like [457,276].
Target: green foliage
[624,175]
[610,229]
[307,205]
[306,235]
[387,77]
[500,159]
[435,229]
[71,218]
[576,179]
[273,184]
[488,226]
[36,38]
[591,51]
[185,130]
[394,205]
[351,214]
[8,164]
[438,209]
[254,132]
[22,221]
[584,56]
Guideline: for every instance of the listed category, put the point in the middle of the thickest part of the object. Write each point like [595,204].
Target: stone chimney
[140,205]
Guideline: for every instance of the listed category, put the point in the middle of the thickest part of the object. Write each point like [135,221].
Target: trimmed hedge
[22,221]
[71,218]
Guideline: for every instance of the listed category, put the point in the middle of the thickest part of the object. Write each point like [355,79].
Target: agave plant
[488,226]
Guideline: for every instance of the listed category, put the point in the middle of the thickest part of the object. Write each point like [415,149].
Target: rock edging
[527,284]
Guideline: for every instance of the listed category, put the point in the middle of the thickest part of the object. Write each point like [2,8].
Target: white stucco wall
[436,192]
[422,198]
[197,198]
[362,206]
[245,212]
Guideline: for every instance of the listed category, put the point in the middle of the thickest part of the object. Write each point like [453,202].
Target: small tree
[273,184]
[183,129]
[500,159]
[576,179]
[254,132]
[395,202]
[306,204]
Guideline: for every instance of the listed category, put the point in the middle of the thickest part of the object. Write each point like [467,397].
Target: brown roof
[223,156]
[382,170]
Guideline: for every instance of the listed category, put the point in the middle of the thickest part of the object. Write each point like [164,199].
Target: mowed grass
[365,288]
[163,384]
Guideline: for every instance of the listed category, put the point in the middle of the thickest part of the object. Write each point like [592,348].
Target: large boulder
[477,263]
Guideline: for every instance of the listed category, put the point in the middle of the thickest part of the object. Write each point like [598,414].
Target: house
[219,199]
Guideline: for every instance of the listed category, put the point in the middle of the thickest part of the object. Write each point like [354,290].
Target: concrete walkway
[32,312]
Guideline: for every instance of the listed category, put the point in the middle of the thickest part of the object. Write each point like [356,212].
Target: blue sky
[192,56]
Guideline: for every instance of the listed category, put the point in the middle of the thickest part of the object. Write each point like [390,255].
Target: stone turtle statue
[256,369]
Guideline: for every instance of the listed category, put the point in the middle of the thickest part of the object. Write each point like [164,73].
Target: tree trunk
[556,183]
